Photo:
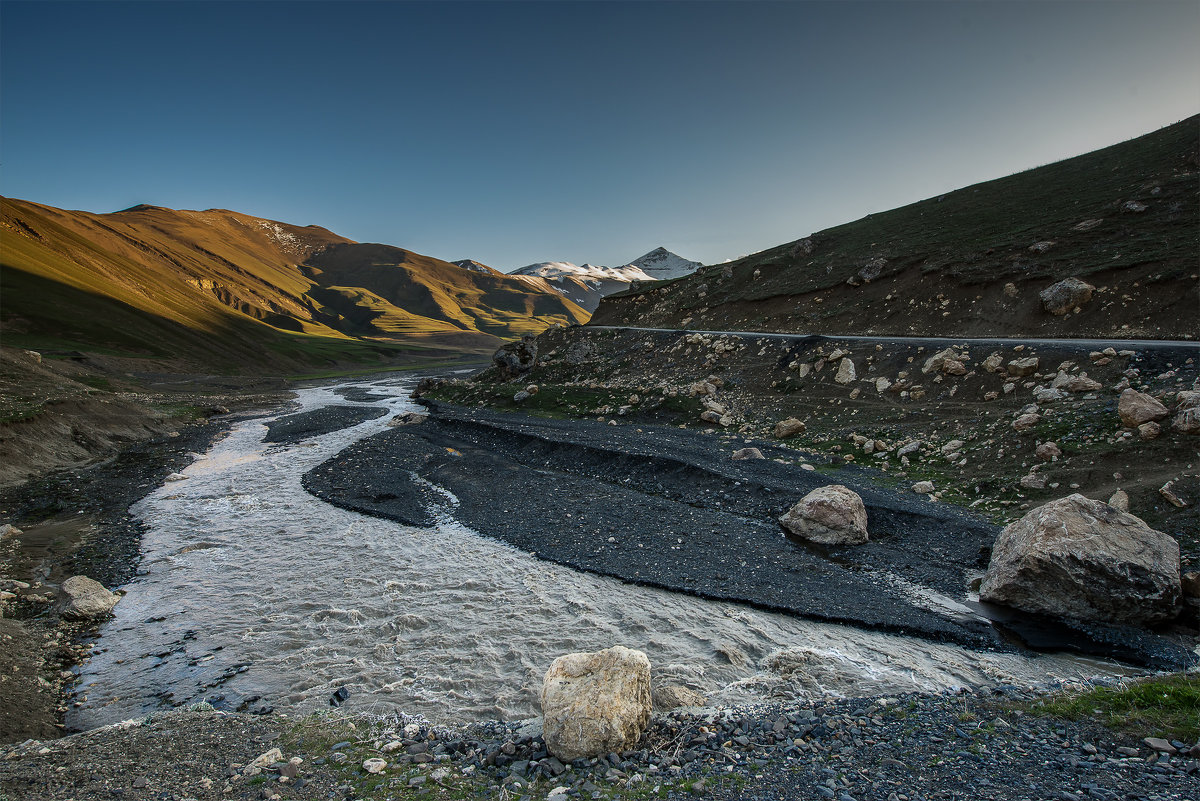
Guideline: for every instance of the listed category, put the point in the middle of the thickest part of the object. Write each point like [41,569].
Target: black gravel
[665,507]
[294,428]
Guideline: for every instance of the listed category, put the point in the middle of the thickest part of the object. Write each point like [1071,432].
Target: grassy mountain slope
[227,290]
[1124,219]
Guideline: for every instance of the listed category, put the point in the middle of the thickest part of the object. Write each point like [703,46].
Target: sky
[513,133]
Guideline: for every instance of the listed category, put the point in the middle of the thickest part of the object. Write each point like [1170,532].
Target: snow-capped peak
[560,269]
[661,264]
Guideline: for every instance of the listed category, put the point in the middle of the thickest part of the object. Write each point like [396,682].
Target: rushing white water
[252,587]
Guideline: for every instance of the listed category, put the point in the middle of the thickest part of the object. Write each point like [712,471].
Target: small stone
[374,765]
[789,428]
[923,487]
[747,453]
[1048,451]
[1160,745]
[1119,500]
[1147,431]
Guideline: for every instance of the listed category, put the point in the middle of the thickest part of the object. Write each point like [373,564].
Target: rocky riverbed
[963,745]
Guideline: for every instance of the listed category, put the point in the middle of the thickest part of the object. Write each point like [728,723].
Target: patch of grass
[1158,707]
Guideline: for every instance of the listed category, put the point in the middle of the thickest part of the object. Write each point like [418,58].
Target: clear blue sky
[520,132]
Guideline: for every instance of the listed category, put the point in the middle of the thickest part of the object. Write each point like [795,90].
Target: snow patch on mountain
[661,264]
[560,269]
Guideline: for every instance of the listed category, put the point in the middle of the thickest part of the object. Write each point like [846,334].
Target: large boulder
[82,598]
[515,359]
[595,703]
[1060,298]
[1136,408]
[1085,560]
[829,515]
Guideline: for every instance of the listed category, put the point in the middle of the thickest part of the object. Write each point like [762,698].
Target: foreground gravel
[903,748]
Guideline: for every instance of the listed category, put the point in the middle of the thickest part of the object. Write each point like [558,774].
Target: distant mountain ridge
[229,290]
[586,284]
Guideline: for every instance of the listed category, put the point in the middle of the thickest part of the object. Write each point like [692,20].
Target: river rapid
[254,595]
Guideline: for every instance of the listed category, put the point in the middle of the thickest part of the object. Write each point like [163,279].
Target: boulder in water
[595,703]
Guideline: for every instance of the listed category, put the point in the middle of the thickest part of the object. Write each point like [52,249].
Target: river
[252,594]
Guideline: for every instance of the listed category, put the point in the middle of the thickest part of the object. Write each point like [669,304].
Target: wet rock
[176,477]
[515,359]
[407,419]
[788,428]
[594,703]
[747,453]
[1082,559]
[1136,408]
[829,515]
[673,696]
[1026,365]
[1041,247]
[339,696]
[1061,297]
[1134,206]
[81,598]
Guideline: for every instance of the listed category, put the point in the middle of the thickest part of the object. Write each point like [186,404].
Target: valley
[354,500]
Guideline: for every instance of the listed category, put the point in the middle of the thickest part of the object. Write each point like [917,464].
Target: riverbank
[991,744]
[667,507]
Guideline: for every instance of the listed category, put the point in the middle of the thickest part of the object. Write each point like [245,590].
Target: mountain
[663,265]
[975,261]
[228,291]
[583,284]
[586,284]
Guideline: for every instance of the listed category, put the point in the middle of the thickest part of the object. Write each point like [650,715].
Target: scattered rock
[1026,365]
[520,396]
[1061,297]
[829,515]
[1179,492]
[1136,408]
[374,765]
[81,598]
[845,372]
[1119,500]
[1026,421]
[788,428]
[1134,206]
[1075,383]
[1187,413]
[747,453]
[1149,430]
[595,703]
[923,487]
[1041,247]
[1082,559]
[1048,451]
[1033,481]
[9,530]
[1190,584]
[1086,225]
[176,477]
